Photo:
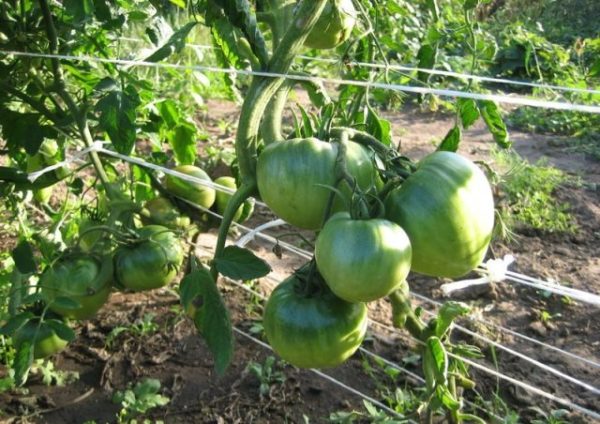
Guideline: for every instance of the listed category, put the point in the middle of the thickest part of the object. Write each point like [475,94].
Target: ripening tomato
[197,193]
[334,25]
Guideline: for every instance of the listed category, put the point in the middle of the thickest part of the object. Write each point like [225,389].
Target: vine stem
[79,116]
[401,305]
[257,98]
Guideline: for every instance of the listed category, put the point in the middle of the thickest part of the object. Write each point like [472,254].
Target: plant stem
[401,304]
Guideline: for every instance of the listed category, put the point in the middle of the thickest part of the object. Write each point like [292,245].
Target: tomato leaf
[118,117]
[447,314]
[22,362]
[15,323]
[174,44]
[61,329]
[427,56]
[24,259]
[199,294]
[436,359]
[241,264]
[451,141]
[491,115]
[446,398]
[66,303]
[183,140]
[468,111]
[378,127]
[24,130]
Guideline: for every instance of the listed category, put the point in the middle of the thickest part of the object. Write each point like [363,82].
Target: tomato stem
[403,314]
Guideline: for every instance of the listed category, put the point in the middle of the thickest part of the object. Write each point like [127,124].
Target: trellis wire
[522,101]
[408,68]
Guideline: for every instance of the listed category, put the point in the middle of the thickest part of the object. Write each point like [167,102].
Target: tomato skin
[162,212]
[244,212]
[151,263]
[362,260]
[447,209]
[194,192]
[82,278]
[291,175]
[334,25]
[47,342]
[313,332]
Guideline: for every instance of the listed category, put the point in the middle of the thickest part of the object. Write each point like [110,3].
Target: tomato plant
[222,199]
[334,25]
[447,209]
[45,340]
[151,261]
[295,178]
[83,281]
[194,192]
[312,330]
[362,259]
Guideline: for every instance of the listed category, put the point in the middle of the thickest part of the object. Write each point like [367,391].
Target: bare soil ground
[177,356]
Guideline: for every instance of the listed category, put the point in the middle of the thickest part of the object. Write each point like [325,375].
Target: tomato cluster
[435,220]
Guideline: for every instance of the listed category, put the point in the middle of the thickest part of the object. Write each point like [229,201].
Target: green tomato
[194,192]
[447,209]
[35,163]
[162,212]
[46,343]
[362,260]
[312,331]
[334,25]
[244,212]
[293,176]
[150,263]
[84,279]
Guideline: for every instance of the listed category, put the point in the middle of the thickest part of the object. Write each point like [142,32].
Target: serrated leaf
[200,296]
[241,264]
[61,329]
[23,361]
[174,44]
[452,140]
[118,118]
[24,258]
[468,111]
[493,119]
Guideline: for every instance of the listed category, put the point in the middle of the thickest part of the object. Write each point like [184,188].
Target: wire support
[500,98]
[409,68]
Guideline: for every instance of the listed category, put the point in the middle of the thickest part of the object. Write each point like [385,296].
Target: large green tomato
[162,212]
[292,177]
[194,192]
[244,212]
[84,279]
[334,25]
[447,209]
[362,260]
[152,262]
[46,344]
[312,331]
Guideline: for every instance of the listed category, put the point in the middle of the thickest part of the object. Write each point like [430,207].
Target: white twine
[494,271]
[500,98]
[242,242]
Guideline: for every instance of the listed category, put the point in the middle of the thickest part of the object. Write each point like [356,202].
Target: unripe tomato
[313,331]
[162,212]
[84,279]
[447,209]
[244,212]
[35,163]
[46,344]
[362,260]
[292,176]
[152,262]
[194,192]
[334,25]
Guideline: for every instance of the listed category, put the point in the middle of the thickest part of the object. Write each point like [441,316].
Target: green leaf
[118,117]
[595,69]
[23,130]
[15,323]
[200,296]
[452,140]
[427,57]
[182,139]
[169,112]
[23,361]
[241,264]
[378,127]
[61,329]
[80,10]
[468,111]
[493,119]
[446,398]
[65,303]
[436,358]
[307,127]
[447,314]
[174,44]
[24,258]
[470,4]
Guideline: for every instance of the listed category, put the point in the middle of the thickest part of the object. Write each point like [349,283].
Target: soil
[172,352]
